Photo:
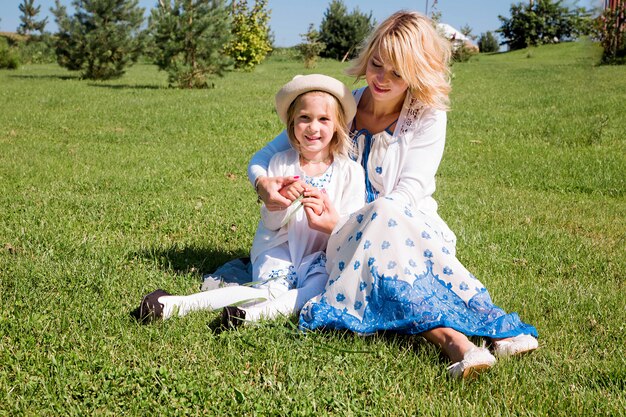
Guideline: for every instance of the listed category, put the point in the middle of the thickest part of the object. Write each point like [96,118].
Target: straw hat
[301,84]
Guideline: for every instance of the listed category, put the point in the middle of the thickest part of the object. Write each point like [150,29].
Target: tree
[311,47]
[251,40]
[29,23]
[343,33]
[101,39]
[188,37]
[487,42]
[467,32]
[610,29]
[542,21]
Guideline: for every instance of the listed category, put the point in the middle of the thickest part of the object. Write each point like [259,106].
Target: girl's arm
[267,186]
[422,159]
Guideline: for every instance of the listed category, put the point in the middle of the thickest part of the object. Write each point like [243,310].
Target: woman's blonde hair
[417,52]
[340,144]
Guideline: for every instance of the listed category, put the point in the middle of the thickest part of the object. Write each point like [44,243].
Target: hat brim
[301,84]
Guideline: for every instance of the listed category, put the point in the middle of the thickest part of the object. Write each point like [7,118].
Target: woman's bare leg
[453,343]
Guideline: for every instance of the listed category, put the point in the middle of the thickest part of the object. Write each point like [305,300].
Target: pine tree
[101,39]
[343,33]
[29,23]
[188,37]
[251,34]
[310,47]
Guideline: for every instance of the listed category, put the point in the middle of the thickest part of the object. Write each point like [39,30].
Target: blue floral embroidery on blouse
[340,297]
[359,218]
[362,285]
[445,250]
[410,243]
[358,236]
[392,223]
[385,245]
[428,253]
[358,305]
[412,263]
[357,264]
[447,270]
[408,212]
[341,265]
[379,170]
[425,235]
[374,215]
[391,265]
[463,286]
[367,244]
[371,261]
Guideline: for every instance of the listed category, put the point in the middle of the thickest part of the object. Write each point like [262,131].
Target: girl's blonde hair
[420,55]
[340,144]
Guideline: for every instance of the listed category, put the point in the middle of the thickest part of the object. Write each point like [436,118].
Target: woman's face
[384,81]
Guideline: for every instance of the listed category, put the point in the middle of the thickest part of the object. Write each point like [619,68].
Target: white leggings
[265,302]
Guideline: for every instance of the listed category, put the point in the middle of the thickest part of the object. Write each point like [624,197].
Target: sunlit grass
[109,190]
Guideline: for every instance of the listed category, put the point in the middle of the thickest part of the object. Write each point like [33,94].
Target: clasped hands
[279,192]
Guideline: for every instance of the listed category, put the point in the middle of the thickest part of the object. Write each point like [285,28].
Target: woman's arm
[260,161]
[267,186]
[423,156]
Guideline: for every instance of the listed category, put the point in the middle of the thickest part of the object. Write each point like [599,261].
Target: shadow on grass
[187,259]
[49,77]
[129,86]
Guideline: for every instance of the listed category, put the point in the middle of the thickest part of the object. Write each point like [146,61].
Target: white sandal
[475,361]
[514,346]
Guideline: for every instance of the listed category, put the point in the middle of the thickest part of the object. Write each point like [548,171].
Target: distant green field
[109,190]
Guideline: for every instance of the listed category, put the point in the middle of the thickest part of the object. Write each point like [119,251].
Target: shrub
[37,50]
[487,42]
[8,57]
[462,53]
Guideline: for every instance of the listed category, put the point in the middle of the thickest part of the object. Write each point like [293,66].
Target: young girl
[288,260]
[392,265]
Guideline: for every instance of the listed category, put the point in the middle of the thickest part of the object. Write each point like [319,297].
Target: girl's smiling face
[384,81]
[314,124]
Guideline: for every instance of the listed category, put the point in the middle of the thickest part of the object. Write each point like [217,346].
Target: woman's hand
[319,211]
[269,191]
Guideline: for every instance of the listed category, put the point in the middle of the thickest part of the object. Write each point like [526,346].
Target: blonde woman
[392,266]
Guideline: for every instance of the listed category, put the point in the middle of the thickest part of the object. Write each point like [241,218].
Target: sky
[291,18]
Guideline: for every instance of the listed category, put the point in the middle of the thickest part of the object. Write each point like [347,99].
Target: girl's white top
[344,184]
[401,166]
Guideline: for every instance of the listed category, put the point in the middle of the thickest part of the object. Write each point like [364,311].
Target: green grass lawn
[109,190]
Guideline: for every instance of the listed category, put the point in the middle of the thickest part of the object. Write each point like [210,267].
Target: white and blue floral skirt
[391,269]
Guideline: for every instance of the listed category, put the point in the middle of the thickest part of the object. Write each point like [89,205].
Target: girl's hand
[268,189]
[319,210]
[294,190]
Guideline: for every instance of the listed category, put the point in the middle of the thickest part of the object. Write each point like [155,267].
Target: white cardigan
[346,190]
